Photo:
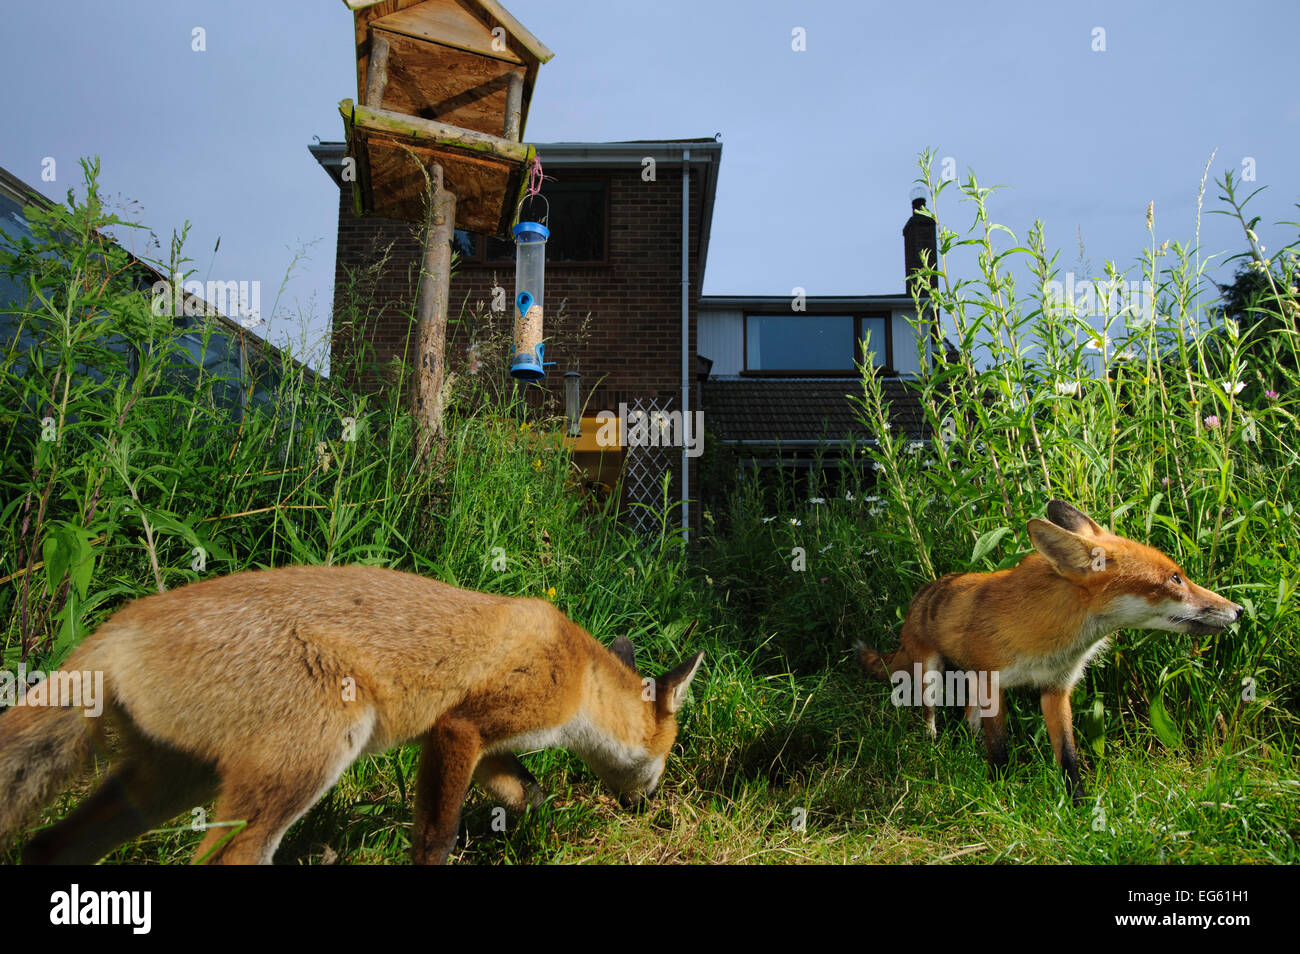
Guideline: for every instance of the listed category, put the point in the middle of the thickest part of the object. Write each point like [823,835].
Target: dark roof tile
[771,410]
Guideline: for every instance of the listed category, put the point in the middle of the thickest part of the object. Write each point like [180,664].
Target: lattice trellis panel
[643,473]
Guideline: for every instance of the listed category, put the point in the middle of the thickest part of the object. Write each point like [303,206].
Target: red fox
[266,685]
[1040,623]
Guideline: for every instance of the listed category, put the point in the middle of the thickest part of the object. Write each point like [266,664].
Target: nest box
[447,82]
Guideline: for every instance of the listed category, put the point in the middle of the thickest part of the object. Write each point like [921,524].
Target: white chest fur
[1063,667]
[622,764]
[579,735]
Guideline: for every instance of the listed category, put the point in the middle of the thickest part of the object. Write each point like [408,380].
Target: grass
[786,753]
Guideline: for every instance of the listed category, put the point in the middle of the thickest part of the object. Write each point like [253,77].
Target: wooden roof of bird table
[445,81]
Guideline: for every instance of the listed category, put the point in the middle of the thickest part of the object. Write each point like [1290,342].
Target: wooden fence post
[432,383]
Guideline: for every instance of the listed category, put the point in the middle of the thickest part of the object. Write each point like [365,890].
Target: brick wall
[630,345]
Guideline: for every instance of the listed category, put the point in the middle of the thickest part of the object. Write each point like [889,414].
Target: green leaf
[67,638]
[1164,726]
[58,552]
[985,544]
[1092,722]
[1151,510]
[83,565]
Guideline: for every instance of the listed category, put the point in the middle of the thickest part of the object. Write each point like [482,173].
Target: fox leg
[151,785]
[447,763]
[509,782]
[929,664]
[973,716]
[995,732]
[1060,727]
[911,649]
[267,800]
[268,797]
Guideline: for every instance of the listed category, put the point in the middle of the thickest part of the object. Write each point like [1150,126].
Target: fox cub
[1040,623]
[264,686]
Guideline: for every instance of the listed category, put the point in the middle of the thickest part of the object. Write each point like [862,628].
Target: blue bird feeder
[530,281]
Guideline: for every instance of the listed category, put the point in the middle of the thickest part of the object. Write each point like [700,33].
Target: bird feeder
[530,284]
[437,138]
[444,82]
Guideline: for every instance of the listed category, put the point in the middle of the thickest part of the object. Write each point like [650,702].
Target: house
[629,242]
[782,371]
[630,225]
[247,370]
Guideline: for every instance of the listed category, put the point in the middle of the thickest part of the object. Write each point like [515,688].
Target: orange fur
[266,685]
[1040,623]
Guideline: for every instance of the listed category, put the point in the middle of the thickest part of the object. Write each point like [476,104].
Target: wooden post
[431,384]
[377,72]
[514,106]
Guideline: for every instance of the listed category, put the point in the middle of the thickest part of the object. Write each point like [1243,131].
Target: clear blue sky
[819,146]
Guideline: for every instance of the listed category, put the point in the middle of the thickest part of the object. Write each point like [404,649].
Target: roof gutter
[815,303]
[706,155]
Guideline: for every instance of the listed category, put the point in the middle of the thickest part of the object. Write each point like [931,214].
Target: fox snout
[1201,611]
[1212,616]
[636,796]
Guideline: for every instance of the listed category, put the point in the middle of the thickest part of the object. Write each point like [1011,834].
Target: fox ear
[1068,552]
[670,688]
[624,650]
[1071,518]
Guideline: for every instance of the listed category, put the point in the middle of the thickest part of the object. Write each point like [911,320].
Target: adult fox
[266,685]
[1041,623]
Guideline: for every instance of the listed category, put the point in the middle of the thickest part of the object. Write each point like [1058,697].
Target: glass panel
[799,343]
[500,251]
[576,221]
[877,343]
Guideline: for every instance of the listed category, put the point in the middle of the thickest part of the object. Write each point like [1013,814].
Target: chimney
[919,235]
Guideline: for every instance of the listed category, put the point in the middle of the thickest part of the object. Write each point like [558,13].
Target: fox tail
[41,749]
[877,666]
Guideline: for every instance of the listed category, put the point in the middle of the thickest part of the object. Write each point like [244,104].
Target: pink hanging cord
[535,177]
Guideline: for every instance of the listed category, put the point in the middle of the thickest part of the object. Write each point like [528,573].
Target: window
[877,326]
[578,220]
[803,343]
[813,344]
